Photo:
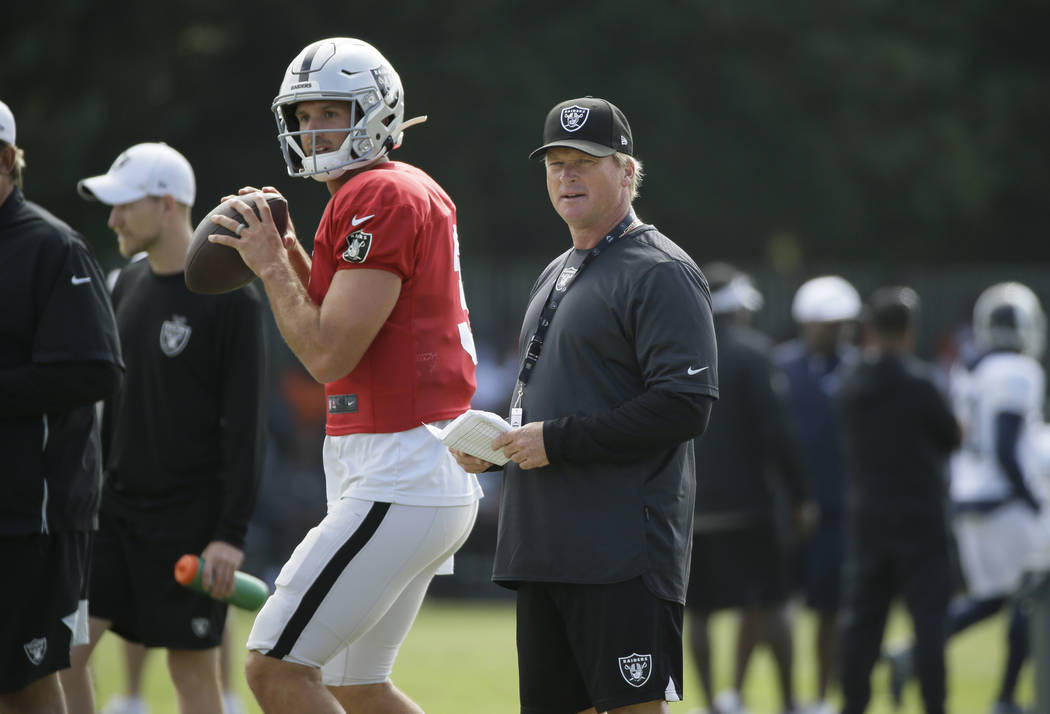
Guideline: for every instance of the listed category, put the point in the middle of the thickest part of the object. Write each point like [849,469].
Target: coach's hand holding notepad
[472,433]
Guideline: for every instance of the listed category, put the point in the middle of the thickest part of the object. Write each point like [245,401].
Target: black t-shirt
[636,320]
[749,453]
[898,431]
[55,312]
[184,435]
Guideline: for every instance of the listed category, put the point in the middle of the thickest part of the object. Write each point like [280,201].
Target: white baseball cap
[828,298]
[7,124]
[151,169]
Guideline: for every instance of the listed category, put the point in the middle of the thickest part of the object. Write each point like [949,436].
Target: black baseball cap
[592,125]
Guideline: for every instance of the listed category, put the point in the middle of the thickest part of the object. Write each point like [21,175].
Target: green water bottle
[249,593]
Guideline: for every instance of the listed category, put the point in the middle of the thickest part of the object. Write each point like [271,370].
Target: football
[212,268]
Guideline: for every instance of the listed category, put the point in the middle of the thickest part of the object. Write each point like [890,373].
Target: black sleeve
[944,427]
[653,420]
[55,387]
[243,414]
[778,433]
[1007,432]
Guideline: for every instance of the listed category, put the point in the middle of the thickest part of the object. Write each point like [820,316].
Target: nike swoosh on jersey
[690,371]
[355,221]
[79,281]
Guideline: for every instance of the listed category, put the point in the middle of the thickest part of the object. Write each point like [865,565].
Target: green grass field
[460,659]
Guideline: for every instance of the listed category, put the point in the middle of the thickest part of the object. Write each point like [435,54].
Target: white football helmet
[1009,316]
[346,70]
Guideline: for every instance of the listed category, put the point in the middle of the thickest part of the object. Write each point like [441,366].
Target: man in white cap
[824,308]
[182,438]
[59,354]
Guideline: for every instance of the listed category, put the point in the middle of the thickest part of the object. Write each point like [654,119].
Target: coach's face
[588,192]
[137,224]
[320,115]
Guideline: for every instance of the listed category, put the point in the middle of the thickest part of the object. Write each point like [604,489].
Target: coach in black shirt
[619,374]
[59,354]
[898,431]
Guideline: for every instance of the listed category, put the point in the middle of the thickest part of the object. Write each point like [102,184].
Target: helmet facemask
[1009,316]
[343,70]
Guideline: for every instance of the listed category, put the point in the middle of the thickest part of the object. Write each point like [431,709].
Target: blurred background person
[748,464]
[898,432]
[999,400]
[824,309]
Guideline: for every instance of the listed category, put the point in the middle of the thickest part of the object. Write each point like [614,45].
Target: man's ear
[7,159]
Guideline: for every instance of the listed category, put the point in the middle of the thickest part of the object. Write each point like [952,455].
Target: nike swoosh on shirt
[79,281]
[690,371]
[355,221]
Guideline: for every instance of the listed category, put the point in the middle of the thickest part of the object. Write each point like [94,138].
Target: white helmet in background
[1009,316]
[346,70]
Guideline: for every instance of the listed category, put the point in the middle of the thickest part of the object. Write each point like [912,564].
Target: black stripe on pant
[319,590]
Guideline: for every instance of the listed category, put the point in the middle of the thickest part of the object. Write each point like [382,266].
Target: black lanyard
[554,299]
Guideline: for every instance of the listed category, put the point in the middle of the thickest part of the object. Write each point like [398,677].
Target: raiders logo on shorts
[636,668]
[36,649]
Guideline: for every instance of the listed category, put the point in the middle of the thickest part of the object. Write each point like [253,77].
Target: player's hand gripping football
[258,241]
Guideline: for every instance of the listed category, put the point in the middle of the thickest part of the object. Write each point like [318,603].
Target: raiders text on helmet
[1009,316]
[345,70]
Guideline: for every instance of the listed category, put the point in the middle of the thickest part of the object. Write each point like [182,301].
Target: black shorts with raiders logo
[40,604]
[133,584]
[602,646]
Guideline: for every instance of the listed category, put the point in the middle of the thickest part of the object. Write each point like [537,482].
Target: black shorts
[605,646]
[133,585]
[48,577]
[740,568]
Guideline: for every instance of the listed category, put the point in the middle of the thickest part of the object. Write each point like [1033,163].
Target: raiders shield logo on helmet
[358,244]
[636,668]
[573,118]
[36,650]
[174,335]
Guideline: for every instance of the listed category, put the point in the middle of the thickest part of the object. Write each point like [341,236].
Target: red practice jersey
[420,367]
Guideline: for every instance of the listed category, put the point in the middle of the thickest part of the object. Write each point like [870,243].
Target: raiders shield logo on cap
[573,118]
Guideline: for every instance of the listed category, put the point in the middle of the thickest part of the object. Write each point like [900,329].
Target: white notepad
[472,432]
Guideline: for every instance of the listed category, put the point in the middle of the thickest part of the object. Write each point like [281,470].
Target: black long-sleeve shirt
[184,434]
[59,354]
[898,431]
[750,450]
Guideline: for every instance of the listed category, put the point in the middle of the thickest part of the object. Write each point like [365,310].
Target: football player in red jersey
[379,316]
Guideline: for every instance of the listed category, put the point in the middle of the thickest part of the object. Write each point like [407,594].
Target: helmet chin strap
[311,162]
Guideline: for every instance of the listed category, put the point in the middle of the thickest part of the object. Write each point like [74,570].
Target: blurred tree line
[777,133]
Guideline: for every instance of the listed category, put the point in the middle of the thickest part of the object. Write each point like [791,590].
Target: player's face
[137,224]
[588,192]
[319,115]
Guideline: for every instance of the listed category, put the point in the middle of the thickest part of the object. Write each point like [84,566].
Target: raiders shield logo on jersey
[174,335]
[573,118]
[36,650]
[636,668]
[565,278]
[358,244]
